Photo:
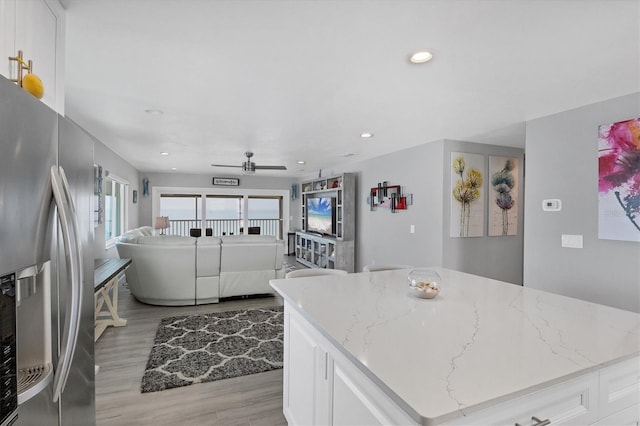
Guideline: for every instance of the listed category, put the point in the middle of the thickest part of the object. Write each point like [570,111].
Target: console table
[105,287]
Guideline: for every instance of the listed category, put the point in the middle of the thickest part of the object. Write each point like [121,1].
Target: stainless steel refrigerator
[46,265]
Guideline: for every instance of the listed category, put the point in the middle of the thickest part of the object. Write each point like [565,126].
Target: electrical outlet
[571,241]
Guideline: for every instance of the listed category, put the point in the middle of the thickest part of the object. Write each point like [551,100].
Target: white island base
[332,376]
[323,387]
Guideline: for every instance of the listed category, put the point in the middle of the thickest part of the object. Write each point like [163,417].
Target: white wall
[562,162]
[115,165]
[382,236]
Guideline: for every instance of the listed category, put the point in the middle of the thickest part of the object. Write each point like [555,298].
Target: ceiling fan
[251,167]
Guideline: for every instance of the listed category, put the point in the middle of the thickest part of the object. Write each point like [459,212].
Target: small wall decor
[145,187]
[503,198]
[467,199]
[294,191]
[388,196]
[226,181]
[98,200]
[135,196]
[619,180]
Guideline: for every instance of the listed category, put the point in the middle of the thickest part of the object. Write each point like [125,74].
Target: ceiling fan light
[248,167]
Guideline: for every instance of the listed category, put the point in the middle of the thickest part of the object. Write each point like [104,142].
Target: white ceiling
[301,79]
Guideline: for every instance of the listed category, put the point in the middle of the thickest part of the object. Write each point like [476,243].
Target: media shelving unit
[330,252]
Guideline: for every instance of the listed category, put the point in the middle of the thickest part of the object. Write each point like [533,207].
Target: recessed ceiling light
[154,111]
[164,153]
[301,162]
[421,57]
[366,135]
[174,169]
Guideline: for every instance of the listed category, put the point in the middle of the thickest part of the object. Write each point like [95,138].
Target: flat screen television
[321,215]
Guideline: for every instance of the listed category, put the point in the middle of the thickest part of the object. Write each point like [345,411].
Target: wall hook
[29,82]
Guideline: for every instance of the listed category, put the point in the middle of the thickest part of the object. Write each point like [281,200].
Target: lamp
[162,222]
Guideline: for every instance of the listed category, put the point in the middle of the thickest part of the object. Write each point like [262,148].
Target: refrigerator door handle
[72,248]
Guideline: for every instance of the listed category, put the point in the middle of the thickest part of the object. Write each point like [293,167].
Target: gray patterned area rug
[203,348]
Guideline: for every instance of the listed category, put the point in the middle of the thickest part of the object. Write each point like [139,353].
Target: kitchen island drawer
[619,387]
[574,402]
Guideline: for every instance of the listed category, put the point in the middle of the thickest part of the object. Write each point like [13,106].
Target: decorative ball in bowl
[424,283]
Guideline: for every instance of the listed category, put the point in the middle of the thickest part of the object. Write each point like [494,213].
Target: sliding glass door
[184,212]
[224,214]
[265,216]
[219,212]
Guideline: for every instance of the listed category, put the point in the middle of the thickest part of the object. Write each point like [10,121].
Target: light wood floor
[122,355]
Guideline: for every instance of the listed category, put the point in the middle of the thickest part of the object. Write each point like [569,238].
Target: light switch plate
[571,241]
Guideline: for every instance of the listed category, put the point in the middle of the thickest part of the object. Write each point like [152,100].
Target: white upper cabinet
[37,28]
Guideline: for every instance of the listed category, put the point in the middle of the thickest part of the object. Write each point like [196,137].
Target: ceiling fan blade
[224,165]
[270,167]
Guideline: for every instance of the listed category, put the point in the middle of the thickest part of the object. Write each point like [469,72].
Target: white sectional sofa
[175,270]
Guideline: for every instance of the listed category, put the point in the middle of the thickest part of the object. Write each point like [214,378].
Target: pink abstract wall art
[619,181]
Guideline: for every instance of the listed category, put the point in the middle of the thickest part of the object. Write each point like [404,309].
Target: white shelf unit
[315,251]
[324,251]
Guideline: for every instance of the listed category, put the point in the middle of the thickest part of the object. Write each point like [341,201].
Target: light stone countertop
[479,342]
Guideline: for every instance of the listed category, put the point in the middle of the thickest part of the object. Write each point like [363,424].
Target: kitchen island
[360,349]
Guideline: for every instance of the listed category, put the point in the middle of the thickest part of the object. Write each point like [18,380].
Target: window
[115,205]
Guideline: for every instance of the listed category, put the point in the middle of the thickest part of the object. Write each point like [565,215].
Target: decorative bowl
[424,283]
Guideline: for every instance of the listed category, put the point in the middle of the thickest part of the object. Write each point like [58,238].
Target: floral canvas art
[503,196]
[467,198]
[619,180]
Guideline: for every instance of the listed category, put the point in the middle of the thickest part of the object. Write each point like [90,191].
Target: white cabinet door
[574,402]
[356,400]
[306,374]
[350,405]
[40,35]
[630,416]
[37,28]
[619,387]
[7,35]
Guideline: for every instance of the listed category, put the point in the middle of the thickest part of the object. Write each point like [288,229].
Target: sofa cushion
[208,241]
[208,257]
[167,240]
[247,239]
[248,257]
